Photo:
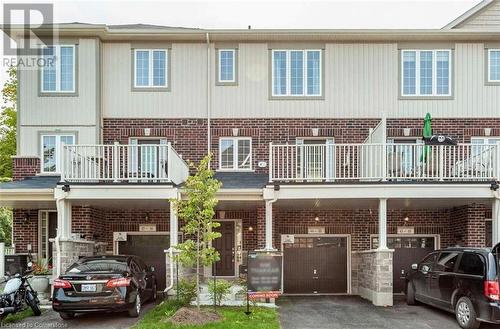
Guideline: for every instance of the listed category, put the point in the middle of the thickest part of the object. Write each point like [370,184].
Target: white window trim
[434,73]
[304,73]
[57,55]
[57,149]
[489,65]
[150,71]
[486,139]
[219,77]
[235,154]
[45,242]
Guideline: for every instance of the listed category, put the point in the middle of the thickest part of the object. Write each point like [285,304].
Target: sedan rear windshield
[99,265]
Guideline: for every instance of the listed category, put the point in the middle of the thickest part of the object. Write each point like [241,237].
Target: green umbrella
[427,133]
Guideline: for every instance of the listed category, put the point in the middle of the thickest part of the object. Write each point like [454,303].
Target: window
[427,263]
[58,72]
[296,73]
[479,143]
[426,72]
[150,68]
[51,146]
[447,261]
[235,153]
[493,65]
[226,65]
[471,264]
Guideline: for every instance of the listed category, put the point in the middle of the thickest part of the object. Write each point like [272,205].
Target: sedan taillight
[491,290]
[120,282]
[60,283]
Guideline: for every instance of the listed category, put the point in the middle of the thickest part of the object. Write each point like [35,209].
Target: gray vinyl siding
[187,86]
[485,19]
[78,113]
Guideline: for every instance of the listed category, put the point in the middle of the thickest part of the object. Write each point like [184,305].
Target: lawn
[11,318]
[233,317]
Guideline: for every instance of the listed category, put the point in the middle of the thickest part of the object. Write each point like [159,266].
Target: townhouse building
[317,137]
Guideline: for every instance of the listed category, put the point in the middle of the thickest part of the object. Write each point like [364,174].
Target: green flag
[427,133]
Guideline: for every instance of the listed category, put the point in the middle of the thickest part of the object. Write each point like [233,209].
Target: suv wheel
[465,314]
[135,311]
[410,294]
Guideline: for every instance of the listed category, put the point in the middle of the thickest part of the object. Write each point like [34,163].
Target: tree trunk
[198,269]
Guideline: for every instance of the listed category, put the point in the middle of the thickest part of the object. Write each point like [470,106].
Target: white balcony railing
[122,163]
[378,162]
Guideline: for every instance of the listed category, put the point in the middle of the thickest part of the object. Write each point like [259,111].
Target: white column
[64,219]
[269,225]
[495,225]
[382,224]
[2,259]
[174,227]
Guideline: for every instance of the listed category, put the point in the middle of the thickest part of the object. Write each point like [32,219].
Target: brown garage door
[407,250]
[151,249]
[315,265]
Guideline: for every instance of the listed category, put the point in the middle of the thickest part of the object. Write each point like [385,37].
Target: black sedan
[104,283]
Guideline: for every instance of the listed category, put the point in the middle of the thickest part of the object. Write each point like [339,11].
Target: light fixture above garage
[406,218]
[316,218]
[250,229]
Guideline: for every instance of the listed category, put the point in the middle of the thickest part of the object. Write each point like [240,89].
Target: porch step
[236,297]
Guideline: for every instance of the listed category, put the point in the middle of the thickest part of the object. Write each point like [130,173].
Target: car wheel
[135,311]
[155,292]
[66,315]
[465,314]
[410,294]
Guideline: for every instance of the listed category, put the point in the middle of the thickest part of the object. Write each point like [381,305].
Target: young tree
[197,211]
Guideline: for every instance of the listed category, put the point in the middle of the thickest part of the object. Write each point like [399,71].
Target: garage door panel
[151,249]
[315,265]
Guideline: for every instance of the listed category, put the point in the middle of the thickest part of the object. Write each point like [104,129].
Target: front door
[52,233]
[225,246]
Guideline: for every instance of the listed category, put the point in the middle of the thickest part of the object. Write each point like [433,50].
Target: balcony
[383,162]
[145,163]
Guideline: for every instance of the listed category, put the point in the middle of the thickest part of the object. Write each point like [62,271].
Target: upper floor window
[235,153]
[51,146]
[150,68]
[226,66]
[493,65]
[426,72]
[296,73]
[58,72]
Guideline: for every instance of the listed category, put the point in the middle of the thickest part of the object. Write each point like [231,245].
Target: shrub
[186,290]
[219,289]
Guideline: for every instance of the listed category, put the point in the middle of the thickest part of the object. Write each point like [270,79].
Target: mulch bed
[193,316]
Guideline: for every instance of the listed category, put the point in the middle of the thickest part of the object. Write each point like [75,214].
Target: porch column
[269,225]
[495,225]
[382,224]
[174,227]
[64,211]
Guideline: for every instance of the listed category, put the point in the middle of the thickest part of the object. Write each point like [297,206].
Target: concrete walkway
[349,312]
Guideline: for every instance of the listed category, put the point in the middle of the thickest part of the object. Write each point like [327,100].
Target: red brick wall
[189,136]
[25,232]
[468,225]
[25,167]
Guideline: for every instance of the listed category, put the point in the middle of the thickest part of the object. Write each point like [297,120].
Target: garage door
[407,251]
[315,265]
[151,249]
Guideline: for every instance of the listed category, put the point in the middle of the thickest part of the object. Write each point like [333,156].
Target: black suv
[460,280]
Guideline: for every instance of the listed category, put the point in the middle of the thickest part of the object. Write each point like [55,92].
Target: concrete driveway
[346,312]
[51,319]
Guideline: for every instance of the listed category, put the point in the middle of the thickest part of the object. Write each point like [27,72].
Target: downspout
[171,255]
[209,100]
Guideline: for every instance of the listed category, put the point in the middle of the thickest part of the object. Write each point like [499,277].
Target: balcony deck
[145,163]
[371,162]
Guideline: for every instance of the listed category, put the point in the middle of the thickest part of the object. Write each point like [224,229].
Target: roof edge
[468,14]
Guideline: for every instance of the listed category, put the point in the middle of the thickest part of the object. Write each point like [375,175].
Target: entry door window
[316,158]
[403,156]
[51,148]
[148,160]
[47,229]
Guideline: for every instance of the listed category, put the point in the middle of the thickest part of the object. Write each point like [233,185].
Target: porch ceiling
[404,203]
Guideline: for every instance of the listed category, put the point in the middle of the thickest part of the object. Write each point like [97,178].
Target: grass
[233,317]
[11,318]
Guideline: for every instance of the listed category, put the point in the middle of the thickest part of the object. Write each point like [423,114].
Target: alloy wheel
[463,313]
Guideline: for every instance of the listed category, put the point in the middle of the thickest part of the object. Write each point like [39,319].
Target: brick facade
[25,167]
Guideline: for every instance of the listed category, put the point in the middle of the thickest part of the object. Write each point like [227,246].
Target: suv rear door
[471,273]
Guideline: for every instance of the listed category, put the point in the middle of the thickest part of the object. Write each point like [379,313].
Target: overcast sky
[261,14]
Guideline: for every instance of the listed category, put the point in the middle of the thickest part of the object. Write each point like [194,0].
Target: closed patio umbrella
[427,133]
